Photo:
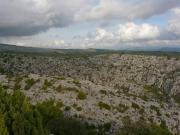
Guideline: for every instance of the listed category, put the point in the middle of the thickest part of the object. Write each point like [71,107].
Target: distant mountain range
[23,49]
[168,49]
[15,48]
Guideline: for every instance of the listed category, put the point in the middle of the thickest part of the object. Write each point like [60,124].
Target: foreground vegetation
[142,128]
[19,117]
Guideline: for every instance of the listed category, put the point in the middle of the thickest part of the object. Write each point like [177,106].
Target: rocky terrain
[103,88]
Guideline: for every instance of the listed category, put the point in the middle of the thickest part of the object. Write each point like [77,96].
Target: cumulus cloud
[102,34]
[174,22]
[132,32]
[129,32]
[125,35]
[126,10]
[129,35]
[29,17]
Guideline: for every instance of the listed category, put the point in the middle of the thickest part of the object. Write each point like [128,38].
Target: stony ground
[100,89]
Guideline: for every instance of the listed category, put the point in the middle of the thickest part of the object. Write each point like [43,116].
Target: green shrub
[61,88]
[156,92]
[67,108]
[81,95]
[17,85]
[79,108]
[103,105]
[155,109]
[177,98]
[29,83]
[2,71]
[71,89]
[77,83]
[141,111]
[21,118]
[61,78]
[135,106]
[59,104]
[46,84]
[142,128]
[103,92]
[122,108]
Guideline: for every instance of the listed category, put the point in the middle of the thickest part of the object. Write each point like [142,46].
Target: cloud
[134,32]
[174,22]
[102,34]
[130,35]
[125,10]
[125,35]
[129,32]
[29,17]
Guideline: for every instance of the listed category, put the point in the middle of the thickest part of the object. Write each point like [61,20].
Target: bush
[79,108]
[77,83]
[17,85]
[103,92]
[155,109]
[19,117]
[61,88]
[29,83]
[156,92]
[177,98]
[46,84]
[104,106]
[135,106]
[142,128]
[81,95]
[67,108]
[122,108]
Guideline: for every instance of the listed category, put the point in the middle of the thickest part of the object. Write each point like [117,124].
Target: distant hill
[23,49]
[14,48]
[169,49]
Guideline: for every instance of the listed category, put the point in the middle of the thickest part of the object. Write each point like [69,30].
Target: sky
[103,24]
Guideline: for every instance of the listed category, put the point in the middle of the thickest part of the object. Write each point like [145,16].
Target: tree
[3,128]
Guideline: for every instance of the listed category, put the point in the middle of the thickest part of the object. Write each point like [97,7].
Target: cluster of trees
[143,128]
[19,117]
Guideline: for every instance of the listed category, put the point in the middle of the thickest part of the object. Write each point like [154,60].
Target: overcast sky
[110,24]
